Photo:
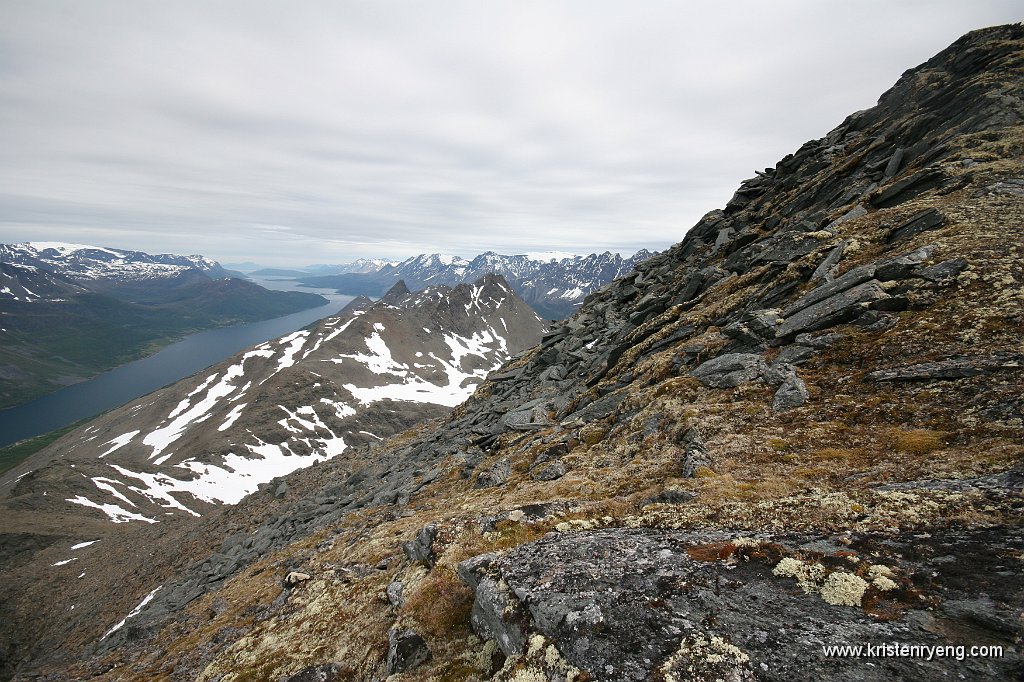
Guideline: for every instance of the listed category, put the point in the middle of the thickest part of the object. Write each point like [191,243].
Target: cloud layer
[290,133]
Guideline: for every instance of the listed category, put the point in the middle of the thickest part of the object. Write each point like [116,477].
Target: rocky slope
[799,427]
[553,284]
[70,311]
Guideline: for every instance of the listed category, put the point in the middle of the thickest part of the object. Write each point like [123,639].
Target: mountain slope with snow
[350,381]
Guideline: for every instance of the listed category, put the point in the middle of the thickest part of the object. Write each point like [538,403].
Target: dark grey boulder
[406,650]
[494,616]
[929,219]
[623,603]
[495,475]
[550,472]
[792,393]
[730,370]
[944,271]
[840,308]
[421,548]
[826,269]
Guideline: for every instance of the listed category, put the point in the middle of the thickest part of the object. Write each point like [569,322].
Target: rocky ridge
[798,427]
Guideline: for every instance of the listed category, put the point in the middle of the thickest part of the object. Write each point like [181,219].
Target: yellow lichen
[843,589]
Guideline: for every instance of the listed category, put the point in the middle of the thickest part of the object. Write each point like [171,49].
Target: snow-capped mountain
[82,262]
[361,265]
[553,283]
[352,380]
[71,311]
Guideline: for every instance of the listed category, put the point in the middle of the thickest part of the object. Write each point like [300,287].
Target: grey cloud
[295,132]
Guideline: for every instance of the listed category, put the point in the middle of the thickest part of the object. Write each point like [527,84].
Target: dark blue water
[177,361]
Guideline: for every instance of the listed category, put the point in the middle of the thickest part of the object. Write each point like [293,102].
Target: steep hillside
[71,311]
[799,427]
[553,286]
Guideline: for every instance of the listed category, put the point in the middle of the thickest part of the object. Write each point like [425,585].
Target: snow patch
[116,514]
[119,442]
[134,612]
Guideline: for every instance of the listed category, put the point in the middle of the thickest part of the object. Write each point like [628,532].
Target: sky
[289,133]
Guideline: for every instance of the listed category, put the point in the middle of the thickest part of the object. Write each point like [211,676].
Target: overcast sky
[302,132]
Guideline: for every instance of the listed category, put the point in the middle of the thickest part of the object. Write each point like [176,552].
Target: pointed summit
[396,293]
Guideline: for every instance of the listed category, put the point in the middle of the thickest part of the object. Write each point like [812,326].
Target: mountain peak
[395,294]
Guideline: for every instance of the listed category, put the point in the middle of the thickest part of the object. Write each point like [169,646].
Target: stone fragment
[551,472]
[855,212]
[908,188]
[893,166]
[696,454]
[406,651]
[840,308]
[528,417]
[929,219]
[295,577]
[421,547]
[670,496]
[495,475]
[396,593]
[820,341]
[826,269]
[792,393]
[729,370]
[754,327]
[856,276]
[944,271]
[794,355]
[494,616]
[282,490]
[903,266]
[1010,187]
[955,368]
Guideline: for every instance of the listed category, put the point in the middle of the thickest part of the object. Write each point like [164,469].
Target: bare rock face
[625,604]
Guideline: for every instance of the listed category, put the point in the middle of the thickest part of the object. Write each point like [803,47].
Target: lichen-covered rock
[730,370]
[421,548]
[792,393]
[629,604]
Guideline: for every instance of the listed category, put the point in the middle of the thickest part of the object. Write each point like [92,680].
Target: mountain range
[552,284]
[797,429]
[71,311]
